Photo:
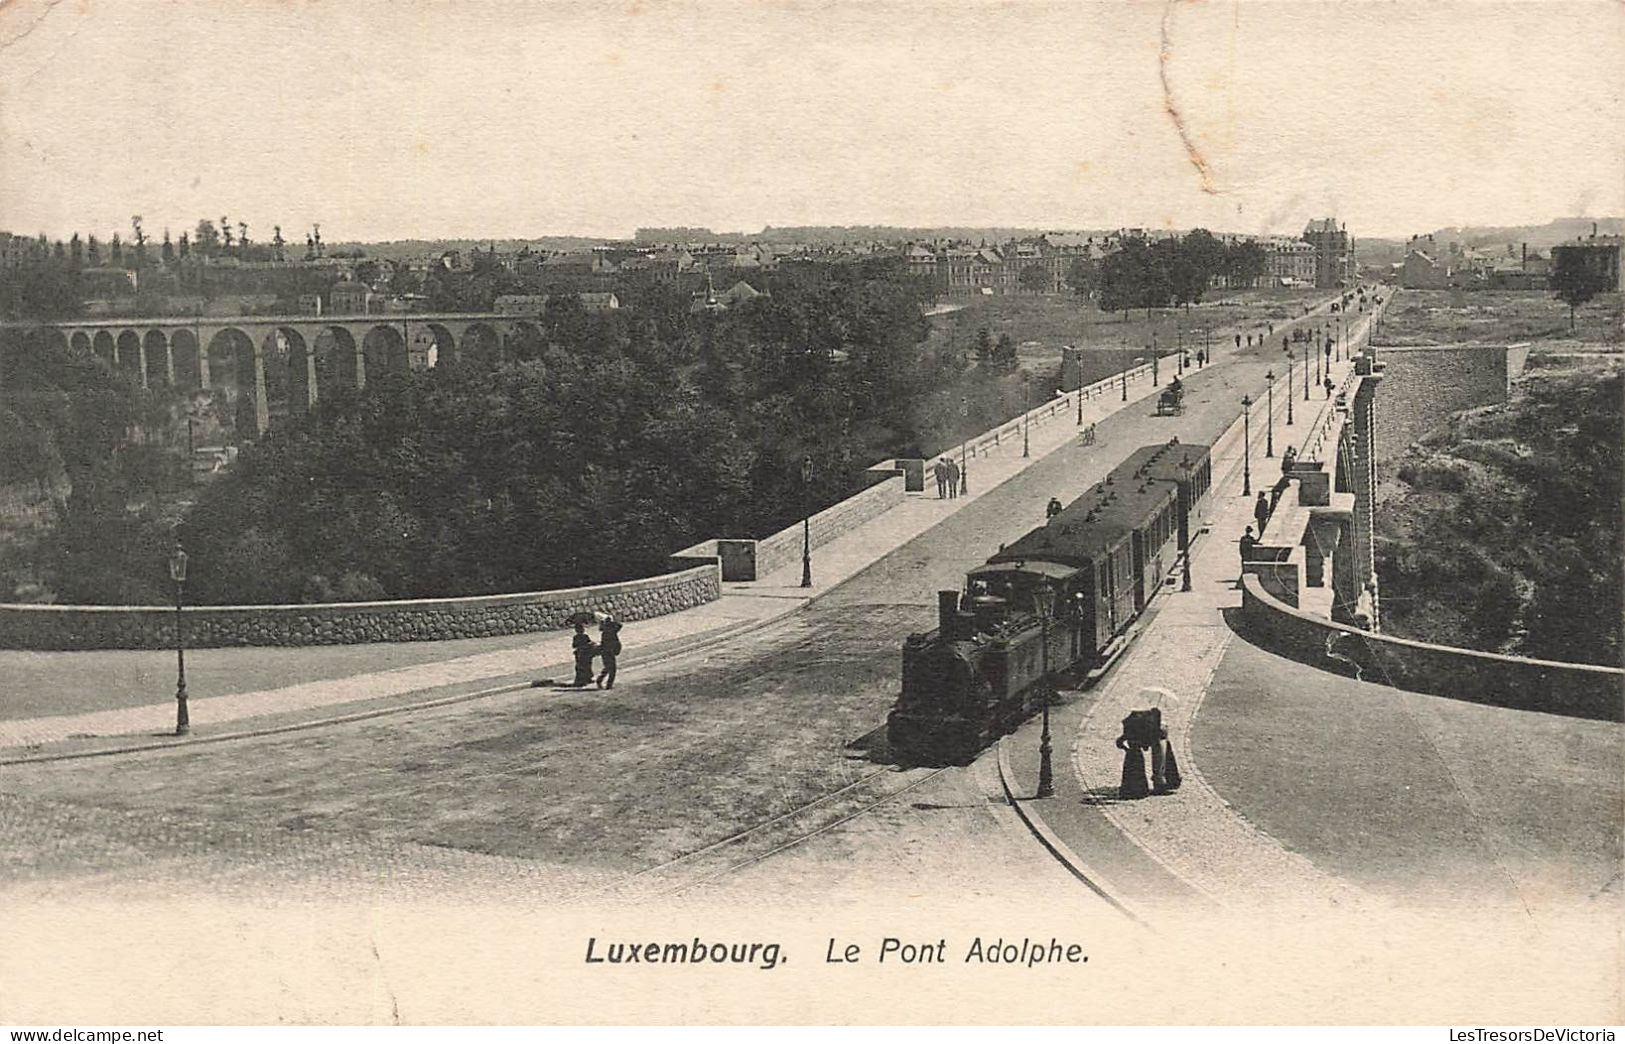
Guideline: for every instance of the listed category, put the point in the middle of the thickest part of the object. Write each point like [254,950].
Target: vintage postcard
[900,512]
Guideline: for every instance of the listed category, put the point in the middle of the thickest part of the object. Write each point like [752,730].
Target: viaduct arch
[269,367]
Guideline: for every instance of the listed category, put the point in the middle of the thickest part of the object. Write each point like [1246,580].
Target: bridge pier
[262,401]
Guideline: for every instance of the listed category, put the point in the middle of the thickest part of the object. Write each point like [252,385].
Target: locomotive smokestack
[947,610]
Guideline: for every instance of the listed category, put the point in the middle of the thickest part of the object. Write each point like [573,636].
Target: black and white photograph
[812,512]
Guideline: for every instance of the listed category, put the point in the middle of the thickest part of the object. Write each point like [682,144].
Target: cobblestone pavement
[954,835]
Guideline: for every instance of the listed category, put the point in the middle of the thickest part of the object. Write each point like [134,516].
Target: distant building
[1334,252]
[520,304]
[709,300]
[350,298]
[595,301]
[1423,271]
[1600,253]
[14,250]
[1289,262]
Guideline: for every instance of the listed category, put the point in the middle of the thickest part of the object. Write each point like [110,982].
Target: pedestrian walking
[1248,542]
[1261,511]
[584,650]
[1052,509]
[1329,387]
[953,480]
[941,473]
[609,647]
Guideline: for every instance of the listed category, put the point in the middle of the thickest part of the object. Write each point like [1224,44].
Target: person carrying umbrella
[609,647]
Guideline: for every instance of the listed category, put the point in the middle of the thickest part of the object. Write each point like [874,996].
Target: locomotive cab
[997,593]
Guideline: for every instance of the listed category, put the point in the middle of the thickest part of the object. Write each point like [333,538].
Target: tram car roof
[1107,512]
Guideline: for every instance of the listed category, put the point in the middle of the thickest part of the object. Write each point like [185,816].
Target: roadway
[683,752]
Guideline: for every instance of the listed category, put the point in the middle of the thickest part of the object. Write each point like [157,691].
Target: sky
[411,119]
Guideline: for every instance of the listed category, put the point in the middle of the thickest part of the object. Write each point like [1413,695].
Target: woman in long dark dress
[584,649]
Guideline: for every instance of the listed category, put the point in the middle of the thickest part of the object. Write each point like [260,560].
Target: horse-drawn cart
[1172,400]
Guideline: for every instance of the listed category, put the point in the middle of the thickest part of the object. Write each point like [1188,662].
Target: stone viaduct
[267,366]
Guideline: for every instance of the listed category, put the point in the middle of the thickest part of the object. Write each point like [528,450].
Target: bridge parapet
[1577,690]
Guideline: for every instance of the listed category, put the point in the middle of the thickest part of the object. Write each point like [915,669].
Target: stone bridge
[268,366]
[1317,552]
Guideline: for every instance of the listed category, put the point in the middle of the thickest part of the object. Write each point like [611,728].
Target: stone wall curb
[1062,852]
[1578,690]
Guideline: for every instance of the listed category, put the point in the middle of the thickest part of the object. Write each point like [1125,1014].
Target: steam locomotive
[1097,563]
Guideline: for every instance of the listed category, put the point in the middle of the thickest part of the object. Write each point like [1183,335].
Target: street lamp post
[1185,523]
[1154,375]
[1306,369]
[1246,446]
[1044,602]
[177,573]
[1027,413]
[1125,374]
[1269,416]
[1288,352]
[191,472]
[1328,381]
[964,463]
[806,522]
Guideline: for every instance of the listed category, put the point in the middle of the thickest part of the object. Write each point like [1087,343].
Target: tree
[1207,257]
[1083,276]
[140,239]
[1116,290]
[76,251]
[206,238]
[1245,262]
[116,251]
[1576,279]
[93,252]
[1004,353]
[185,248]
[984,346]
[168,250]
[1033,279]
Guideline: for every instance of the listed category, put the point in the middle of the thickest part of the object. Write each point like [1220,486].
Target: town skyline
[1241,118]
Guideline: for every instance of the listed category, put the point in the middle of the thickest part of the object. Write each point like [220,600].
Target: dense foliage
[615,439]
[67,419]
[1175,270]
[1506,534]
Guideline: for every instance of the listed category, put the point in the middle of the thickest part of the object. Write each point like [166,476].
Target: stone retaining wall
[417,620]
[1422,386]
[1578,690]
[784,547]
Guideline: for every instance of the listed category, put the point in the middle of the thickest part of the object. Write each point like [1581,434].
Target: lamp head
[177,564]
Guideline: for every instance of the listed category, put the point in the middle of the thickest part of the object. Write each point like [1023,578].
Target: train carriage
[1103,557]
